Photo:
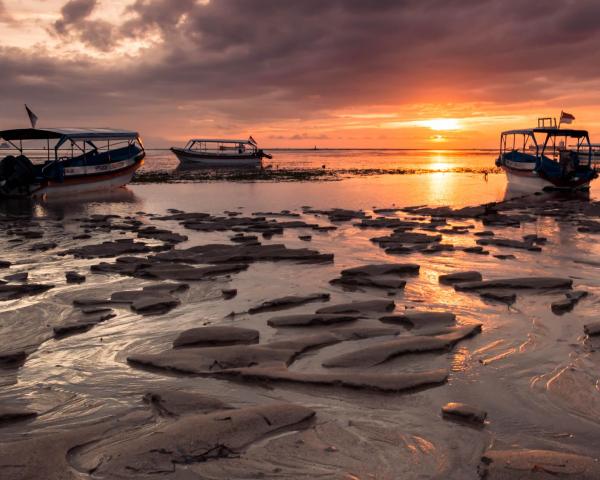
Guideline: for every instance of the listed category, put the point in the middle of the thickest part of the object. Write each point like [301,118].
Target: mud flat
[153,338]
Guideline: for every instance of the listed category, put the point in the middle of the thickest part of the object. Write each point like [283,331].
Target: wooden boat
[68,161]
[221,153]
[547,157]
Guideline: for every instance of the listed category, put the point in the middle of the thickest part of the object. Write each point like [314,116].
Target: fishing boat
[67,161]
[547,157]
[221,153]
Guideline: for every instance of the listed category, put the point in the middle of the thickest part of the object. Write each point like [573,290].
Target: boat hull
[215,160]
[88,183]
[79,180]
[530,181]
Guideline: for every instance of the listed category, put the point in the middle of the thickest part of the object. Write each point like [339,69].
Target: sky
[327,73]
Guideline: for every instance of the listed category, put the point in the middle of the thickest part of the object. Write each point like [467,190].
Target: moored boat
[547,157]
[221,153]
[67,161]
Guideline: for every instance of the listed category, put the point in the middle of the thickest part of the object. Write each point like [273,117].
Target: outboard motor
[262,153]
[16,175]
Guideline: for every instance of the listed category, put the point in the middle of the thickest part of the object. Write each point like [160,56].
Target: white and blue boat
[67,161]
[547,157]
[221,153]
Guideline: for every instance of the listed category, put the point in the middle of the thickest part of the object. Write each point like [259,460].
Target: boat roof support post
[589,149]
[537,147]
[75,144]
[545,144]
[13,145]
[60,143]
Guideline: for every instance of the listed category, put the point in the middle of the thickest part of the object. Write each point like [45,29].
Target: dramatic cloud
[294,66]
[73,12]
[74,24]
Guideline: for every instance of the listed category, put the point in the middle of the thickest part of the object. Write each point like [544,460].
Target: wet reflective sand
[533,371]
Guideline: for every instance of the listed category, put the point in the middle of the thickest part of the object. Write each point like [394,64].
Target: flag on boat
[252,141]
[32,116]
[566,117]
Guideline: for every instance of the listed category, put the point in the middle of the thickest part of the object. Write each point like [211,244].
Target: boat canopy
[64,134]
[216,140]
[559,132]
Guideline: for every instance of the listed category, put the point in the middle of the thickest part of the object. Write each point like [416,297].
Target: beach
[290,360]
[310,240]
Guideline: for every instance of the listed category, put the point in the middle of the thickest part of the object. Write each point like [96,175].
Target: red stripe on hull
[94,178]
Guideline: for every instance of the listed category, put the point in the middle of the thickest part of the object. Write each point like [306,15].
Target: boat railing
[547,122]
[220,146]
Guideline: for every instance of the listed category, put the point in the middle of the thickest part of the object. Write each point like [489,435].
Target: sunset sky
[348,73]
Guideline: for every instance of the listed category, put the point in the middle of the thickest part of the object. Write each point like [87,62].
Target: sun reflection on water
[439,161]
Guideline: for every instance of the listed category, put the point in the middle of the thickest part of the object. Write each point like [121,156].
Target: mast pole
[560,119]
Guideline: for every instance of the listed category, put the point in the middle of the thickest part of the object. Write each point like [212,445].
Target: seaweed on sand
[284,174]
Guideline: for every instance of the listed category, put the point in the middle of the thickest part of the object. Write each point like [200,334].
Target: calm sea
[337,159]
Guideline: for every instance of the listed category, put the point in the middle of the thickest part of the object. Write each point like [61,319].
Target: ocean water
[341,159]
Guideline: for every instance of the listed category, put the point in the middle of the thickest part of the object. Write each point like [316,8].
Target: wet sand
[224,331]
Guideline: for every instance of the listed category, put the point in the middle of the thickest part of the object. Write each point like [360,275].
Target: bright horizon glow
[440,124]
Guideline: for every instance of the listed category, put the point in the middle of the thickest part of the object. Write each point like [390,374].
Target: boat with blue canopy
[67,161]
[547,157]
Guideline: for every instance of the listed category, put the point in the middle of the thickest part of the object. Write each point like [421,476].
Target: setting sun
[440,124]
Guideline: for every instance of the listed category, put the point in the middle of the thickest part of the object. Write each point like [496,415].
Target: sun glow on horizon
[440,124]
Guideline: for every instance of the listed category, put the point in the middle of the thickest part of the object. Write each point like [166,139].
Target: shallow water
[434,160]
[534,372]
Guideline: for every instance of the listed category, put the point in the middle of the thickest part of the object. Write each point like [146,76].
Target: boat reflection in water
[121,201]
[513,192]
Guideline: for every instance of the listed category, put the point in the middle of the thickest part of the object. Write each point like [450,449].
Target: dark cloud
[98,34]
[5,17]
[242,62]
[74,24]
[301,136]
[72,12]
[161,14]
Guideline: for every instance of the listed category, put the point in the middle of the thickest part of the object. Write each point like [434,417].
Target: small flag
[566,117]
[32,117]
[252,141]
